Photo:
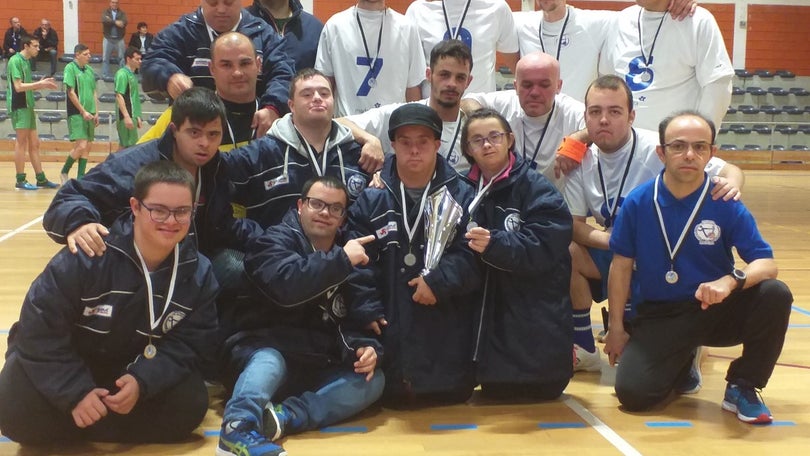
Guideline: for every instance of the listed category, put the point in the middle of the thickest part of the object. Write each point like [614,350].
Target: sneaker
[24,185]
[276,418]
[694,379]
[586,361]
[240,438]
[747,403]
[63,177]
[47,184]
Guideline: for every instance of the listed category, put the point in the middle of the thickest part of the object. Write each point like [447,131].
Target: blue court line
[338,429]
[572,425]
[783,423]
[452,427]
[668,424]
[4,439]
[211,433]
[801,311]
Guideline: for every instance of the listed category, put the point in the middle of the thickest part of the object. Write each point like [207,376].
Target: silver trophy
[442,214]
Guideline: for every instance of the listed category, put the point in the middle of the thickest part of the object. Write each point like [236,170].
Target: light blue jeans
[340,394]
[107,49]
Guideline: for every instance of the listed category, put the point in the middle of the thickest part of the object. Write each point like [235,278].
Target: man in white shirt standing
[372,55]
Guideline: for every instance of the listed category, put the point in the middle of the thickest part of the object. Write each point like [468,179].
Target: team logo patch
[707,232]
[104,310]
[338,306]
[565,41]
[356,184]
[512,222]
[172,319]
[384,231]
[201,62]
[280,180]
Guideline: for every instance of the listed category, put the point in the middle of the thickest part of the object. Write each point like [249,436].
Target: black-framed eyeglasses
[681,147]
[495,138]
[335,209]
[160,214]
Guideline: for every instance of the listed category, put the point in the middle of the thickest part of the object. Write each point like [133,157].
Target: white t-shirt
[583,192]
[375,122]
[565,118]
[688,55]
[487,27]
[582,40]
[399,65]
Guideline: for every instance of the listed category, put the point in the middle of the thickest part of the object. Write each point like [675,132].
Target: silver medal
[671,277]
[372,82]
[471,225]
[149,351]
[410,259]
[646,76]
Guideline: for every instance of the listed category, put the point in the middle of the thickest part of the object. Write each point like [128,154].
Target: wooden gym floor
[586,420]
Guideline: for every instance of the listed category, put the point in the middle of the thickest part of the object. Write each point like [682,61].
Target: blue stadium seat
[509,86]
[3,116]
[66,58]
[110,78]
[728,147]
[761,129]
[106,118]
[50,118]
[46,137]
[152,119]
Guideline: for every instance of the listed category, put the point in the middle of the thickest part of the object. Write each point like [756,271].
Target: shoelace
[752,395]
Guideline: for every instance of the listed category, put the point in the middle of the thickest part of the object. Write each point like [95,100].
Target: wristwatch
[740,276]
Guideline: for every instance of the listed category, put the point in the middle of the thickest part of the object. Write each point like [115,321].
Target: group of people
[309,234]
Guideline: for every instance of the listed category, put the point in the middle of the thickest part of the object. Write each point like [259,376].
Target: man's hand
[87,116]
[376,181]
[91,409]
[262,121]
[366,362]
[377,325]
[127,396]
[722,188]
[356,252]
[681,9]
[479,239]
[178,83]
[371,155]
[88,237]
[710,293]
[128,123]
[564,165]
[48,83]
[140,122]
[615,341]
[95,117]
[423,294]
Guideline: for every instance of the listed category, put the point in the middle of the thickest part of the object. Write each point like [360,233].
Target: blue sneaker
[47,184]
[240,438]
[746,402]
[694,379]
[24,185]
[276,418]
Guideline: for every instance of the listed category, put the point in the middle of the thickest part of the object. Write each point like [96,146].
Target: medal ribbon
[454,36]
[410,230]
[609,221]
[542,135]
[153,322]
[648,62]
[363,35]
[559,40]
[674,252]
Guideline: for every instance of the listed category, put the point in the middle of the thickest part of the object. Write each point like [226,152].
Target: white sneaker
[64,177]
[586,361]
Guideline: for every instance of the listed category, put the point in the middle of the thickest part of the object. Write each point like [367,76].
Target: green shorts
[127,137]
[24,119]
[80,128]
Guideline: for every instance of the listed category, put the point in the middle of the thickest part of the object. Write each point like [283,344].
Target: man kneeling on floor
[692,294]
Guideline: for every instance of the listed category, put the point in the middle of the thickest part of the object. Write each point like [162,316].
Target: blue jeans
[339,392]
[108,45]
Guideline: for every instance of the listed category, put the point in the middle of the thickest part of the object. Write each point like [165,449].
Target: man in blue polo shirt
[691,292]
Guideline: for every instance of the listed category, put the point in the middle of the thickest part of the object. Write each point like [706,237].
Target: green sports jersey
[18,68]
[83,81]
[127,85]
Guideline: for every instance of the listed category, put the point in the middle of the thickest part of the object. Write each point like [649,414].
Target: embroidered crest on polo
[707,232]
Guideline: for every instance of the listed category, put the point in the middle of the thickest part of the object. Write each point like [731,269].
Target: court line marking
[20,229]
[800,310]
[668,424]
[346,429]
[609,434]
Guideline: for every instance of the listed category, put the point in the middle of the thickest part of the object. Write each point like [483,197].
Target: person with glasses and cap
[118,357]
[425,317]
[294,345]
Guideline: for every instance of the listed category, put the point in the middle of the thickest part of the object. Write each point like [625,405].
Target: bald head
[537,81]
[231,40]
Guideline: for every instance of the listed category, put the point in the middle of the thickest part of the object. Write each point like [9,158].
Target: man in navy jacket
[300,29]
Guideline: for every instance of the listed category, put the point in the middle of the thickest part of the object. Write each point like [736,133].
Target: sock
[82,168]
[68,164]
[20,178]
[41,177]
[583,334]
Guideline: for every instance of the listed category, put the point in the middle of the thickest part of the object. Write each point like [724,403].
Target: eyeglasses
[681,147]
[494,138]
[160,214]
[335,209]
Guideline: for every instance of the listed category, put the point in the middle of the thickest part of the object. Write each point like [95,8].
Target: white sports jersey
[488,26]
[566,118]
[400,63]
[583,191]
[375,122]
[585,33]
[688,55]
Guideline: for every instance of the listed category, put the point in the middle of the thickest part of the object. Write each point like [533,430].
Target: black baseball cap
[415,114]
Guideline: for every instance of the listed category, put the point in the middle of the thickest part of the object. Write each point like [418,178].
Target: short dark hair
[142,24]
[130,52]
[480,114]
[26,40]
[451,48]
[162,172]
[662,127]
[304,74]
[611,82]
[79,48]
[198,105]
[326,181]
